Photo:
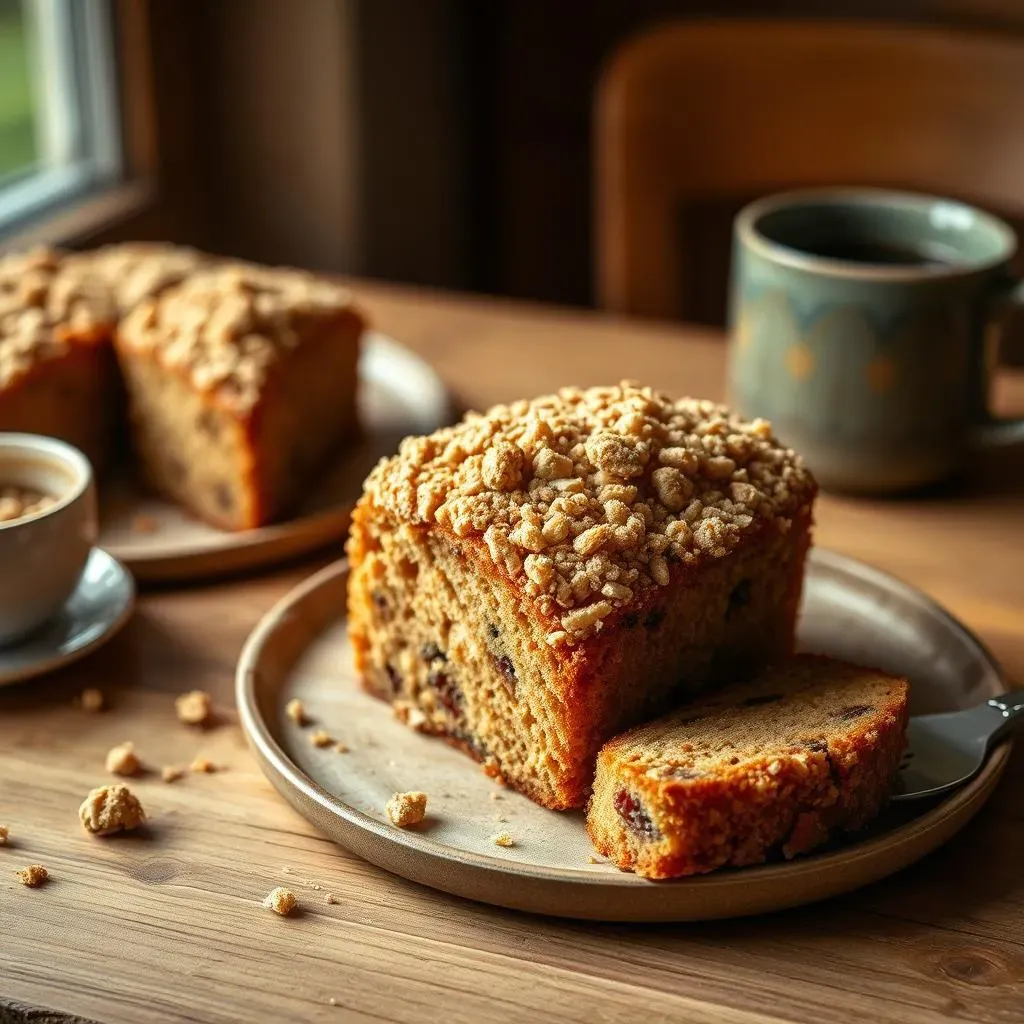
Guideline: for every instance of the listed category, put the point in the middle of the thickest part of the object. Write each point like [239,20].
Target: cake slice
[533,580]
[57,372]
[241,384]
[769,767]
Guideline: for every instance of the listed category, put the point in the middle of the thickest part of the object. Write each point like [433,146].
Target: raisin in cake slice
[770,766]
[533,580]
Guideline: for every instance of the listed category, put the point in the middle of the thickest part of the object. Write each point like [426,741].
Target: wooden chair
[696,118]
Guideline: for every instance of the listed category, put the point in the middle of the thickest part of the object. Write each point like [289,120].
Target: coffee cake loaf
[770,767]
[57,374]
[535,579]
[241,383]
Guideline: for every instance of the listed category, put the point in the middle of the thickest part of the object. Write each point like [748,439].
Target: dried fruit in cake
[57,374]
[539,577]
[773,766]
[241,384]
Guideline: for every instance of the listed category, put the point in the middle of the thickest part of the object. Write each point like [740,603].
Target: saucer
[101,604]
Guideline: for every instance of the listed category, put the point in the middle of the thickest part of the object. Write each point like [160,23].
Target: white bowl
[42,556]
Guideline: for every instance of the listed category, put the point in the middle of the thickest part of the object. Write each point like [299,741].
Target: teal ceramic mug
[863,325]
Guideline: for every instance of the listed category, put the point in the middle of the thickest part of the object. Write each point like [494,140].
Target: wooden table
[169,927]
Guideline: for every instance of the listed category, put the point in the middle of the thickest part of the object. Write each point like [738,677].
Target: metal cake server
[946,750]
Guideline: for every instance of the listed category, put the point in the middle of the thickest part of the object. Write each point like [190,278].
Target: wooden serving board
[399,395]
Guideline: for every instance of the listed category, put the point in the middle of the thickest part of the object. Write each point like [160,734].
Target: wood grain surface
[167,926]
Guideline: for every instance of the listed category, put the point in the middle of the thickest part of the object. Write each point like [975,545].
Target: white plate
[300,649]
[399,394]
[101,604]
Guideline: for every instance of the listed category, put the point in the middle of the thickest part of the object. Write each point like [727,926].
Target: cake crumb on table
[33,876]
[495,796]
[172,772]
[92,700]
[341,748]
[281,901]
[406,809]
[194,707]
[503,839]
[321,738]
[122,760]
[204,765]
[110,809]
[5,835]
[595,860]
[296,711]
[330,898]
[144,524]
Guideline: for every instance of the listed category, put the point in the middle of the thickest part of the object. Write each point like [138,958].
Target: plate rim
[301,790]
[52,664]
[266,545]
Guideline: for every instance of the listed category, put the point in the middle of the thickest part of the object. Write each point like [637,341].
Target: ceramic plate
[300,649]
[399,395]
[101,604]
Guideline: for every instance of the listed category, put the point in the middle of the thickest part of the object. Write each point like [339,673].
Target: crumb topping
[92,700]
[33,876]
[20,502]
[226,326]
[296,711]
[5,835]
[45,297]
[122,760]
[406,809]
[321,738]
[503,839]
[587,497]
[194,708]
[203,765]
[281,901]
[142,270]
[172,772]
[111,809]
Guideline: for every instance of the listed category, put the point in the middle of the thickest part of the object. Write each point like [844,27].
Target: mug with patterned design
[863,325]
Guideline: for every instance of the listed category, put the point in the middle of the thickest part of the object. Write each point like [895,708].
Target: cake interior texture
[452,626]
[769,768]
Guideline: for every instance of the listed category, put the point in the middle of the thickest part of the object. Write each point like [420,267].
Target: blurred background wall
[442,142]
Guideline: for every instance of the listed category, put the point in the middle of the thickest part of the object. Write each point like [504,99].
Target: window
[59,131]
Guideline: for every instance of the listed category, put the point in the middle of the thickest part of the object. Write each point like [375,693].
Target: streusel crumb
[172,772]
[321,738]
[296,711]
[122,760]
[586,497]
[194,708]
[503,839]
[406,809]
[5,835]
[281,901]
[341,748]
[330,898]
[204,765]
[495,796]
[226,327]
[92,700]
[111,809]
[33,876]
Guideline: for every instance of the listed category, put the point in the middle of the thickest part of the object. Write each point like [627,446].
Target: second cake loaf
[533,580]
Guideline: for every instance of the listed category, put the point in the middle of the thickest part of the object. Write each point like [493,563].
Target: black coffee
[854,251]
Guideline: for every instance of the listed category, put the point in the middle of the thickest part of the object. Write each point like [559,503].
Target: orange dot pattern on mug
[800,361]
[881,373]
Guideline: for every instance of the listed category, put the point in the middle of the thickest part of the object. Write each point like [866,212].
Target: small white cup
[42,556]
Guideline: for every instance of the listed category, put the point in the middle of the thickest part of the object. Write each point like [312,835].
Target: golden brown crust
[775,765]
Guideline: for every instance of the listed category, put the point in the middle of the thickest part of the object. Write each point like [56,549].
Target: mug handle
[993,431]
